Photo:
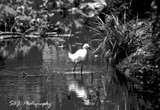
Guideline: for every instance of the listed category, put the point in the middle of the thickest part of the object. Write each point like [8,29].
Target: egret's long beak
[90,49]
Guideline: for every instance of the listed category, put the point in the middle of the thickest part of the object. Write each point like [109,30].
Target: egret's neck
[84,48]
[69,52]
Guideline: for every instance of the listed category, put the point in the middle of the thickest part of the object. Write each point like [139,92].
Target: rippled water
[41,78]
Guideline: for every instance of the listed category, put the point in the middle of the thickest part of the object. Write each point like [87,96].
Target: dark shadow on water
[34,57]
[2,63]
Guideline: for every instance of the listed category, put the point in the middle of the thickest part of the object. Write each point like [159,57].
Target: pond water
[37,75]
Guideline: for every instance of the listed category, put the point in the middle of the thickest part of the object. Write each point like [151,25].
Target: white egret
[79,56]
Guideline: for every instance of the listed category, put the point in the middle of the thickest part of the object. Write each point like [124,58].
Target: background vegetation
[127,39]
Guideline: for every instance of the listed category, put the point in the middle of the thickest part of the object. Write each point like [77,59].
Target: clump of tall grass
[119,40]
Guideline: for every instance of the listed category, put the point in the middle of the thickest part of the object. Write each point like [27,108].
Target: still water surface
[30,84]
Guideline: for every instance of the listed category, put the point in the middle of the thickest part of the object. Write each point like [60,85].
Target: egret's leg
[74,67]
[92,77]
[74,70]
[81,71]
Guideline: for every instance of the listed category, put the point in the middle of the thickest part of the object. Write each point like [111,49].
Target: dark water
[37,75]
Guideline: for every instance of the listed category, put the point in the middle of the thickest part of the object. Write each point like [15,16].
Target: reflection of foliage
[23,50]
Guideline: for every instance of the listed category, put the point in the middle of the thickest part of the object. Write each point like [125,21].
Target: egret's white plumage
[79,56]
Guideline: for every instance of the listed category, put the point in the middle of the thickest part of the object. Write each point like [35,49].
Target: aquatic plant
[125,46]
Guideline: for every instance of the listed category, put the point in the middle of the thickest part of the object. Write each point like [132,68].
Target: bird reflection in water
[80,91]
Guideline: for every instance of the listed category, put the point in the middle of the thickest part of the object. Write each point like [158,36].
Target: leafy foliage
[128,44]
[131,51]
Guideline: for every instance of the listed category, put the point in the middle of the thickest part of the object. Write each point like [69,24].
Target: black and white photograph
[79,54]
